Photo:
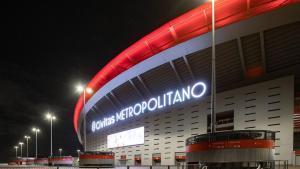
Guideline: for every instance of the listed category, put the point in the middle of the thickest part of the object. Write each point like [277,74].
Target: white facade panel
[266,106]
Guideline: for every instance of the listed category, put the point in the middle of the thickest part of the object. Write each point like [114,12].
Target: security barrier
[279,164]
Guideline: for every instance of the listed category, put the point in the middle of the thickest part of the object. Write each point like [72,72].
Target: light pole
[16,147]
[36,131]
[60,150]
[50,117]
[27,138]
[213,69]
[85,90]
[21,145]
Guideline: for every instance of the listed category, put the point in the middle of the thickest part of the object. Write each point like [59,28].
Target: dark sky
[48,47]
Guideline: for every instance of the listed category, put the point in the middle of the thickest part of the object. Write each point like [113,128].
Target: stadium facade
[156,94]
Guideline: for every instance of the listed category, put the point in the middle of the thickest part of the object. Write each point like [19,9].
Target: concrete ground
[46,167]
[294,167]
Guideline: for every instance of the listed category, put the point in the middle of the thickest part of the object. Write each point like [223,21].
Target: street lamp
[16,147]
[27,138]
[213,69]
[21,144]
[36,131]
[80,89]
[50,117]
[60,150]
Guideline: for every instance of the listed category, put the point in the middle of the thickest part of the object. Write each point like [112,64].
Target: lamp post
[50,117]
[27,138]
[213,69]
[60,150]
[21,145]
[16,147]
[85,90]
[36,131]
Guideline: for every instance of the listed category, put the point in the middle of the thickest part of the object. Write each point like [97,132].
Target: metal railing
[276,164]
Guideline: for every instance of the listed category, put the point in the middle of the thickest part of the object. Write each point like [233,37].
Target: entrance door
[156,159]
[137,160]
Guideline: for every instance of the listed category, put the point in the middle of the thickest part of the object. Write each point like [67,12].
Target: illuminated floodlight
[50,116]
[79,88]
[89,90]
[37,130]
[27,137]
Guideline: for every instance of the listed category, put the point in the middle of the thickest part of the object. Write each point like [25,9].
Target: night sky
[49,47]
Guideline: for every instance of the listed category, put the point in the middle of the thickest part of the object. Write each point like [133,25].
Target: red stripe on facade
[236,144]
[85,156]
[41,160]
[61,159]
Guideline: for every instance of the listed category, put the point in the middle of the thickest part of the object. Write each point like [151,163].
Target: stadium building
[155,94]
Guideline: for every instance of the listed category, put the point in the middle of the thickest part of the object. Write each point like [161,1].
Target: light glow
[126,138]
[89,90]
[79,88]
[35,130]
[50,116]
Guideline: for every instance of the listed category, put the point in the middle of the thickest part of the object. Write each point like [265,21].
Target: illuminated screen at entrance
[126,138]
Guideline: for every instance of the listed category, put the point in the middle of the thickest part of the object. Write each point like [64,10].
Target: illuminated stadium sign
[170,98]
[126,138]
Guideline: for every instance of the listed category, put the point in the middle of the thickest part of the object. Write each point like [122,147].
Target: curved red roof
[189,25]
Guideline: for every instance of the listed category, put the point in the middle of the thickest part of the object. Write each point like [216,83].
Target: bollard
[128,167]
[168,167]
[279,165]
[150,166]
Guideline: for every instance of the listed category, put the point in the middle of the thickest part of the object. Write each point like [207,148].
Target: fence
[279,164]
